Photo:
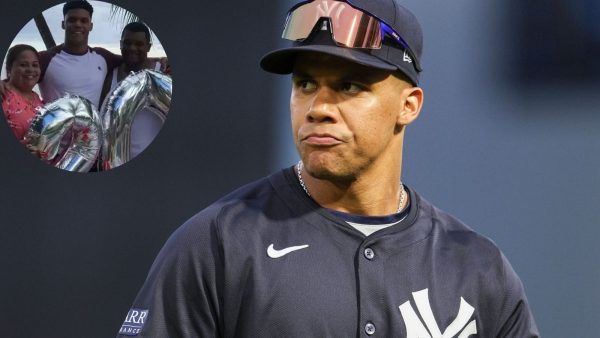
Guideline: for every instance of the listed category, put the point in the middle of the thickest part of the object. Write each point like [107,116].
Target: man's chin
[134,67]
[132,60]
[77,40]
[326,172]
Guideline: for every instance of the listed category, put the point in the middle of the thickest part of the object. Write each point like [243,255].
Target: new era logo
[134,322]
[416,329]
[406,58]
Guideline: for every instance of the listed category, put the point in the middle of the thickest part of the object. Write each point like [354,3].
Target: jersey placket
[370,274]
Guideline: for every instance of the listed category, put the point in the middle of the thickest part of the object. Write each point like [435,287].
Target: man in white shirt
[74,67]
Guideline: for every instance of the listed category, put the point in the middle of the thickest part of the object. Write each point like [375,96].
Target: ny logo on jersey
[416,329]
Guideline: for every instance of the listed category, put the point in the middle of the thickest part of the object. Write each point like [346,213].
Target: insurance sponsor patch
[134,322]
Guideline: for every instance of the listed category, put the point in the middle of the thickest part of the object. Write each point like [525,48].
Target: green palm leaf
[122,15]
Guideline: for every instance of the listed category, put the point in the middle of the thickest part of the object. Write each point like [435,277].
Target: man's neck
[125,69]
[369,194]
[136,67]
[78,49]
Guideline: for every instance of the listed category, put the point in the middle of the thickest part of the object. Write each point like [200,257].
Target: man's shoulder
[111,59]
[52,50]
[484,276]
[250,199]
[101,50]
[451,231]
[46,55]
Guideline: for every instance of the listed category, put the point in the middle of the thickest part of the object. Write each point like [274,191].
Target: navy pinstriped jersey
[267,261]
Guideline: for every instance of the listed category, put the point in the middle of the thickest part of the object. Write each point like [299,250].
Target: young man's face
[134,48]
[77,25]
[345,116]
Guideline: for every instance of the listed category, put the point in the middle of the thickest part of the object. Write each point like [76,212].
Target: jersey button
[369,253]
[370,328]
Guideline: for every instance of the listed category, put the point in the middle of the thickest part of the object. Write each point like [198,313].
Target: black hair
[135,27]
[402,76]
[14,52]
[78,4]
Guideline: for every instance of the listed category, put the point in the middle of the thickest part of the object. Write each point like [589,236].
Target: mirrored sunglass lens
[355,29]
[300,22]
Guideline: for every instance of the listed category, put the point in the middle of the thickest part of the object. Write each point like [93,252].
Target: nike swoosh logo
[271,252]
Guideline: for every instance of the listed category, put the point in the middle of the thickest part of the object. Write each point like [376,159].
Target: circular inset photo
[86,86]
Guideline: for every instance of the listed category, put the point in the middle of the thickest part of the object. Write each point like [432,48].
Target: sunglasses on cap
[349,26]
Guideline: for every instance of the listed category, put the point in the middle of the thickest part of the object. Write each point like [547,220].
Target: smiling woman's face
[24,72]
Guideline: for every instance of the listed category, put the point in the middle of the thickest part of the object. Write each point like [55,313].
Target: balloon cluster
[66,133]
[138,91]
[70,134]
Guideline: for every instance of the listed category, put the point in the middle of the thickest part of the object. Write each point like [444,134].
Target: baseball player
[337,245]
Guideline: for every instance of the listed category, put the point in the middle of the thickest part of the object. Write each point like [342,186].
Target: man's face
[344,116]
[134,48]
[77,25]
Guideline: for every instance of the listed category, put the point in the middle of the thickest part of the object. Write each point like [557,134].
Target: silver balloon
[142,90]
[66,133]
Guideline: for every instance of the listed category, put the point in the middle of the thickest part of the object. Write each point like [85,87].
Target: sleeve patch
[134,322]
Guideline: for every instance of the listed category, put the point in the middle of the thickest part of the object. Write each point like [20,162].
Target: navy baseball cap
[399,50]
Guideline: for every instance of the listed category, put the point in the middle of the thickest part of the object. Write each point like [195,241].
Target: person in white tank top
[135,45]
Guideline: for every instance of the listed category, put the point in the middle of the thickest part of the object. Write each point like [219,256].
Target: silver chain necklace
[303,185]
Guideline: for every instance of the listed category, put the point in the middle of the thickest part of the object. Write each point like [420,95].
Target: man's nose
[323,106]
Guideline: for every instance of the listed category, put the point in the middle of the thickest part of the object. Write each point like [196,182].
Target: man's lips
[321,140]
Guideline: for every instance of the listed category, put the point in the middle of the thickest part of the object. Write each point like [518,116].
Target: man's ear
[62,24]
[91,26]
[412,104]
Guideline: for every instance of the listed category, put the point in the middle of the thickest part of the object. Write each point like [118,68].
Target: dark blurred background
[508,141]
[557,41]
